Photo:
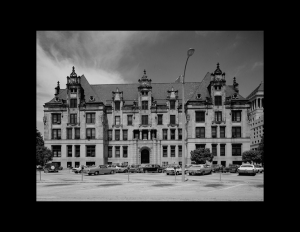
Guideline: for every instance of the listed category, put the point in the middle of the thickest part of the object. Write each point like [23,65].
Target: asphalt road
[68,186]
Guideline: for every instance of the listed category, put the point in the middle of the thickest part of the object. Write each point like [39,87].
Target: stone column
[149,134]
[140,134]
[218,149]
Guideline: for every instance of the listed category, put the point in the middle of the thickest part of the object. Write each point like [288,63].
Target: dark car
[233,168]
[225,169]
[216,167]
[152,168]
[51,167]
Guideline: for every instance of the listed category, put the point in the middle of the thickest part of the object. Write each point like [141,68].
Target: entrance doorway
[145,158]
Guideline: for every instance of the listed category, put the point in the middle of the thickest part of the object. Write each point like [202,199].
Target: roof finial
[73,69]
[218,65]
[144,72]
[58,83]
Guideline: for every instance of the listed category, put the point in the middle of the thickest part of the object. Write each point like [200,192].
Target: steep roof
[258,88]
[103,92]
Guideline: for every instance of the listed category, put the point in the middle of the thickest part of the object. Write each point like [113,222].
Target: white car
[259,169]
[78,169]
[247,169]
[200,169]
[170,170]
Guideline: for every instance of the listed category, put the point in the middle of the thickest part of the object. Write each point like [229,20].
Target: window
[90,151]
[77,150]
[218,116]
[172,105]
[109,134]
[200,132]
[69,150]
[172,119]
[218,100]
[69,164]
[90,118]
[144,105]
[73,103]
[236,132]
[144,119]
[69,133]
[90,164]
[222,149]
[117,120]
[77,164]
[136,134]
[198,146]
[214,132]
[56,150]
[160,119]
[236,116]
[125,135]
[117,134]
[117,105]
[125,154]
[144,134]
[222,131]
[214,149]
[77,133]
[200,116]
[110,152]
[164,163]
[90,133]
[165,151]
[179,151]
[153,134]
[172,151]
[117,154]
[73,90]
[56,134]
[180,134]
[172,134]
[129,120]
[73,118]
[236,149]
[56,118]
[165,134]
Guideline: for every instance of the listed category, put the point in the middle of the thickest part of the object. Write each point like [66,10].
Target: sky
[112,57]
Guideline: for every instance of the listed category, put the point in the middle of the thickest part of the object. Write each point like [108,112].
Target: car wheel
[90,174]
[112,172]
[190,174]
[177,173]
[167,173]
[96,173]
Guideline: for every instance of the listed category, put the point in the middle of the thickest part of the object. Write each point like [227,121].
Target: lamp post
[189,53]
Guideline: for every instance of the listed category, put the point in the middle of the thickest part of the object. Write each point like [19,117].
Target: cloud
[257,64]
[205,33]
[96,54]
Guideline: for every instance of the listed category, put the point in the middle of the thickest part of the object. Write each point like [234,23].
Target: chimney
[235,85]
[57,89]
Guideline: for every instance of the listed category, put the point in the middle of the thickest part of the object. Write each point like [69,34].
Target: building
[256,115]
[141,122]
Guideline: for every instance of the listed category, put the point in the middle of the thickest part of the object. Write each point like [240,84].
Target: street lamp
[189,53]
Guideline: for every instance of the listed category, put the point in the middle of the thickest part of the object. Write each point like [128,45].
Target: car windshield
[196,165]
[247,166]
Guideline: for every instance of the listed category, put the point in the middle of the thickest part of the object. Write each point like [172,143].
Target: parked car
[225,169]
[123,168]
[247,169]
[216,167]
[259,168]
[39,167]
[134,168]
[152,168]
[119,168]
[200,169]
[78,169]
[60,168]
[170,170]
[233,168]
[101,169]
[141,168]
[51,167]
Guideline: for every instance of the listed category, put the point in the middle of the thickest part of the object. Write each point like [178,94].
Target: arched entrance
[145,157]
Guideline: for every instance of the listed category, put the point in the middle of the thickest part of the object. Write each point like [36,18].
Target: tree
[43,154]
[39,138]
[251,156]
[201,155]
[261,149]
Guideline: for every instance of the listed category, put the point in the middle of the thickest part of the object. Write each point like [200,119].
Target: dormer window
[198,96]
[172,105]
[56,99]
[144,93]
[73,90]
[234,96]
[92,98]
[117,105]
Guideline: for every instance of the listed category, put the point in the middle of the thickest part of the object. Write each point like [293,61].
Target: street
[68,186]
